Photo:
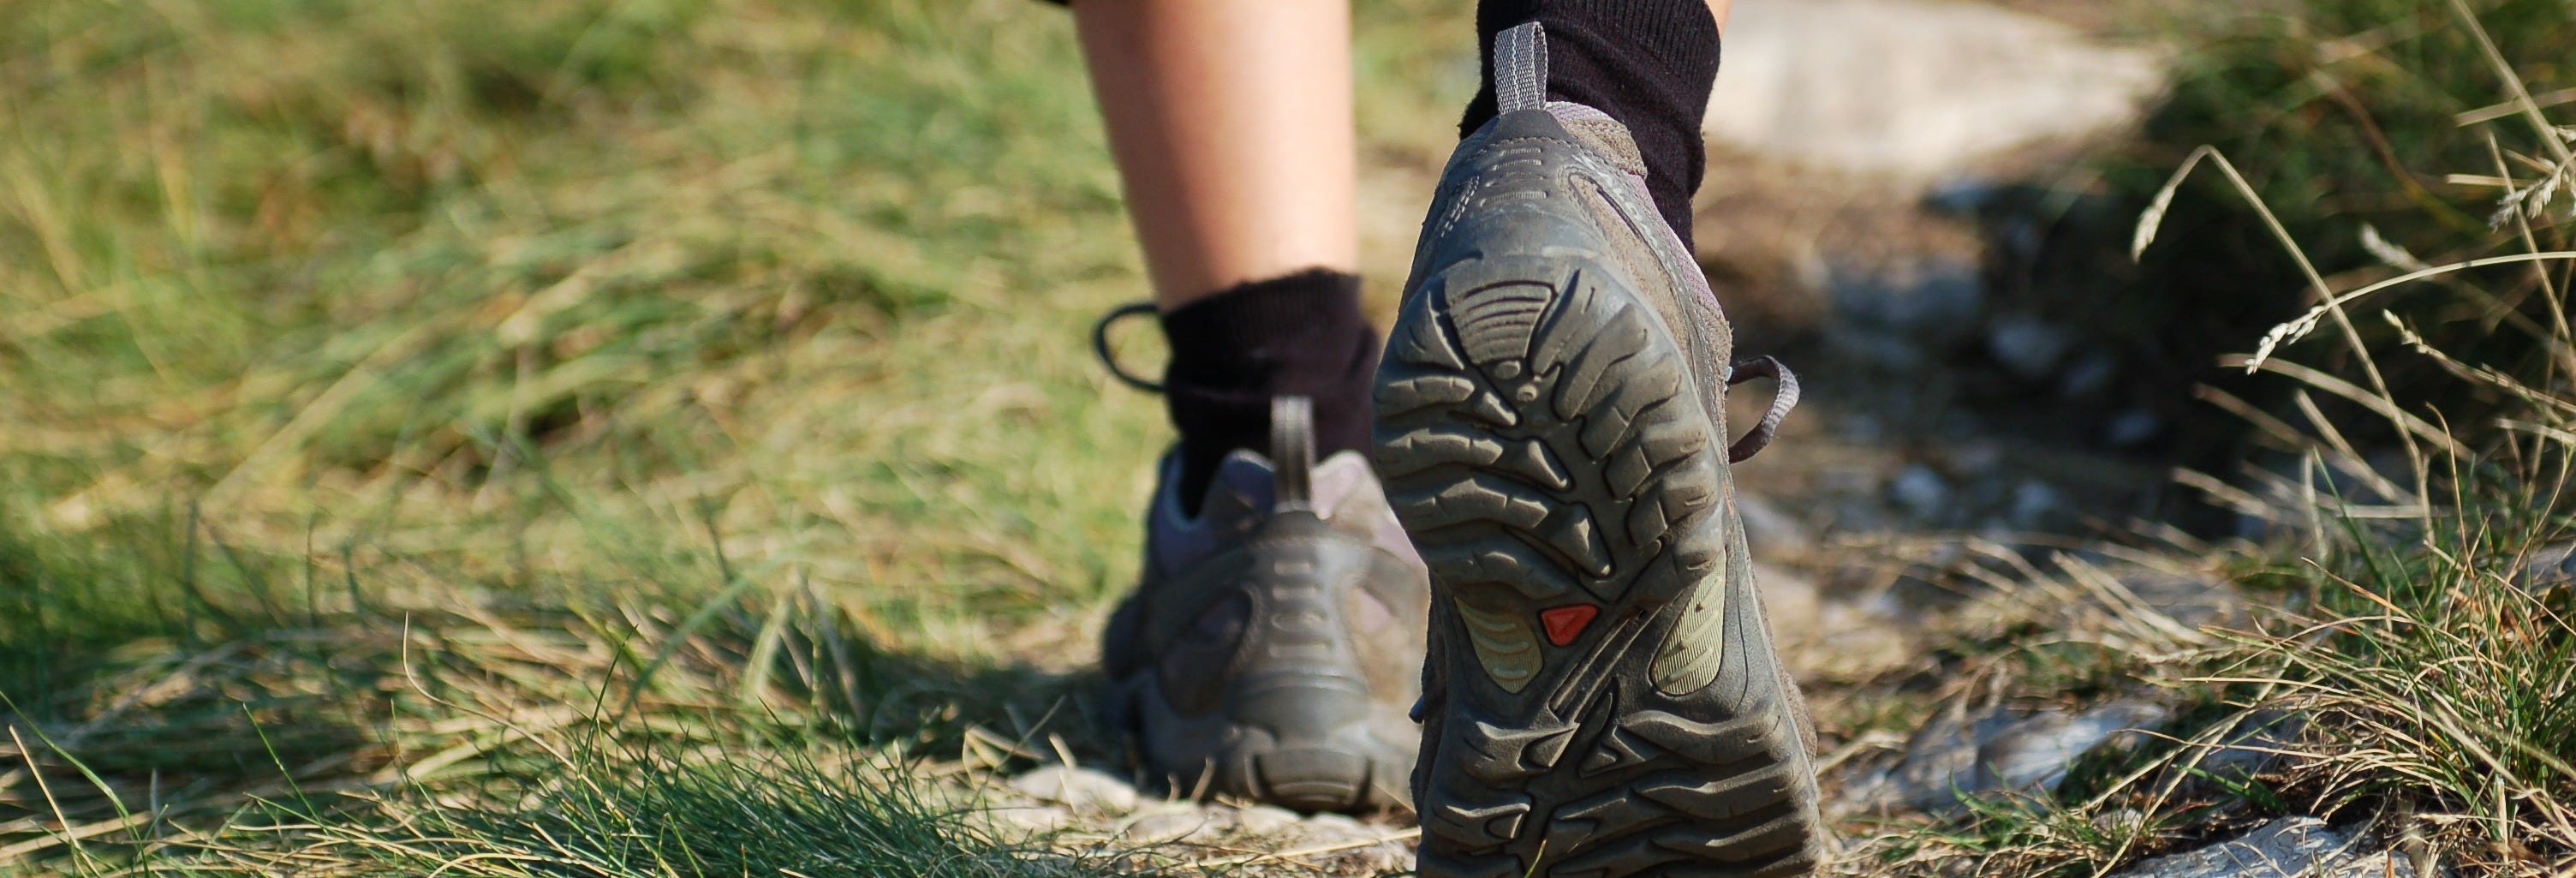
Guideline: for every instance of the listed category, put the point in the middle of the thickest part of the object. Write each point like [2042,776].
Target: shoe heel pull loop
[1292,452]
[1520,68]
[1782,400]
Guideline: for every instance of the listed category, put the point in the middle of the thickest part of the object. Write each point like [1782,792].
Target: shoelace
[1782,400]
[1108,358]
[1753,441]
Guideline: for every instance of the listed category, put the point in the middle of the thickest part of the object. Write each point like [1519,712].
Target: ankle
[1649,64]
[1233,351]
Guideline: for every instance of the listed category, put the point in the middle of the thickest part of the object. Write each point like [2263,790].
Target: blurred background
[766,320]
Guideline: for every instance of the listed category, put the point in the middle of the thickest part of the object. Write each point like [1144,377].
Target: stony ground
[1947,424]
[529,430]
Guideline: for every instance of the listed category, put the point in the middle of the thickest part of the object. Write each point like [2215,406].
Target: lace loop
[1109,359]
[1782,400]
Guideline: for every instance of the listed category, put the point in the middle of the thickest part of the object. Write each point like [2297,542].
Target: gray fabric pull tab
[1292,453]
[1520,68]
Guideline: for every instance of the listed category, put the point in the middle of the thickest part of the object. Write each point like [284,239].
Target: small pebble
[1043,818]
[2133,428]
[1333,828]
[1171,827]
[1921,492]
[2035,505]
[1265,819]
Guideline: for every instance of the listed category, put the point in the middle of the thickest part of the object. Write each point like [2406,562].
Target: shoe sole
[1257,766]
[1545,447]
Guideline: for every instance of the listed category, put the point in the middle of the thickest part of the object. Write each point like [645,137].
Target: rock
[2549,567]
[2088,376]
[1860,515]
[2036,505]
[2033,754]
[2119,821]
[1977,461]
[1330,828]
[1041,818]
[1962,196]
[1959,424]
[2291,847]
[2255,746]
[1182,825]
[1913,88]
[1875,347]
[2132,428]
[1860,428]
[1959,756]
[1383,858]
[1941,760]
[1921,492]
[2028,347]
[1933,301]
[1265,819]
[1771,532]
[2192,599]
[1078,788]
[1857,640]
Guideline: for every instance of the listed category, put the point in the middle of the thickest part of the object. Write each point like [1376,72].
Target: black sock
[1647,63]
[1232,351]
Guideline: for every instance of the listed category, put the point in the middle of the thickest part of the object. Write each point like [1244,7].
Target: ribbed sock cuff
[1233,351]
[1647,63]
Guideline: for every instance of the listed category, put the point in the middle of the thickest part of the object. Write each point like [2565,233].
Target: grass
[2408,670]
[2368,128]
[357,355]
[537,746]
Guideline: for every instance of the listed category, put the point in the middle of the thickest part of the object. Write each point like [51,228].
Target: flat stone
[2033,754]
[1383,858]
[1335,829]
[1079,788]
[1187,824]
[2549,567]
[2089,376]
[2258,744]
[1041,818]
[2133,428]
[1935,301]
[1941,760]
[1921,492]
[1265,819]
[1958,755]
[2027,346]
[2191,599]
[1914,88]
[2291,847]
[2036,505]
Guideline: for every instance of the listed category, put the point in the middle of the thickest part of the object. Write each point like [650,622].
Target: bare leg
[1231,122]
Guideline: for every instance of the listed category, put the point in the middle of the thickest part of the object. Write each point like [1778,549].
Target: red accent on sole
[1565,623]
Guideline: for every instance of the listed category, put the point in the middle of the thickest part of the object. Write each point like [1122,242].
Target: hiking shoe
[1602,694]
[1275,645]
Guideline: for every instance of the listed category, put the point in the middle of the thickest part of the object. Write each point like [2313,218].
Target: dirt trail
[1940,421]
